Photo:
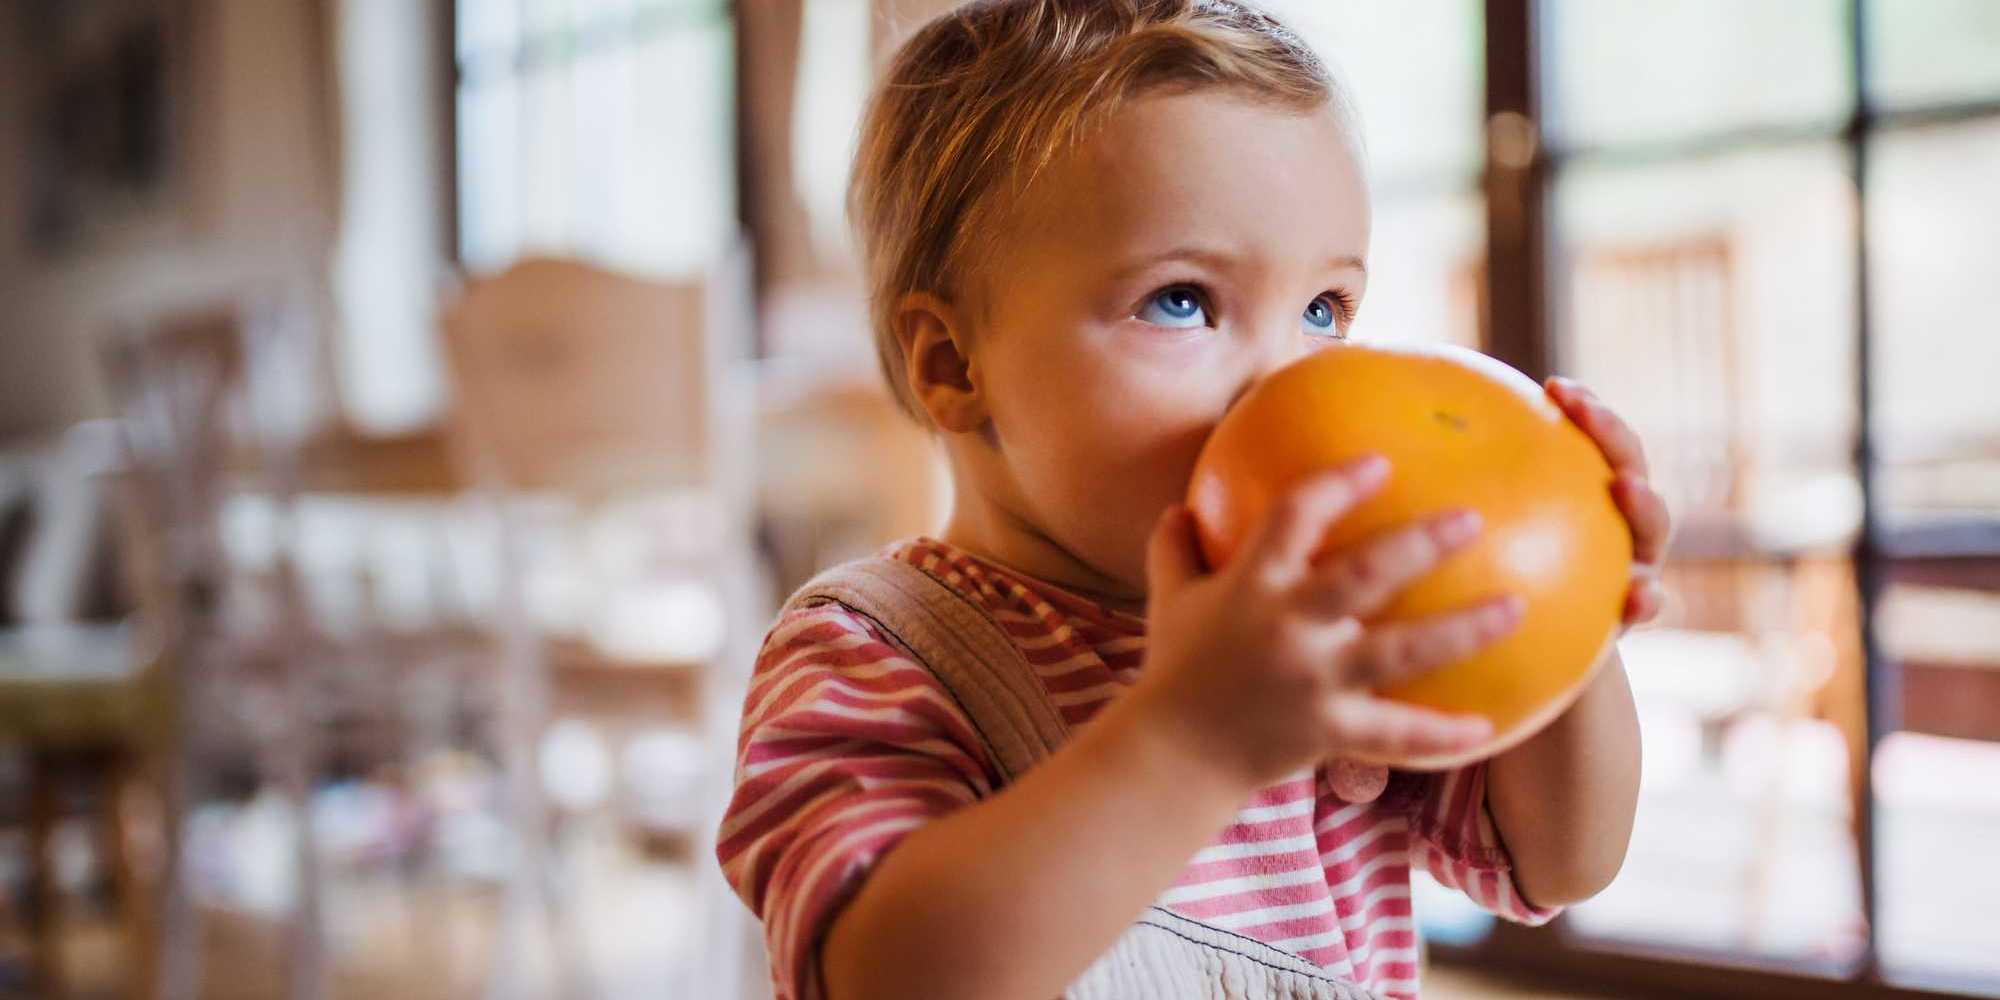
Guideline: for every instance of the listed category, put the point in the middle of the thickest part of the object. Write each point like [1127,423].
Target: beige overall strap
[959,644]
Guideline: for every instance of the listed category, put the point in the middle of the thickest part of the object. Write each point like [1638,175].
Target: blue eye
[1177,306]
[1323,315]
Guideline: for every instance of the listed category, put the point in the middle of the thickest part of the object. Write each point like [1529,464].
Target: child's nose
[1277,347]
[1271,353]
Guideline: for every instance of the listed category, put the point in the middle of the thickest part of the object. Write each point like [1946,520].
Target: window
[1624,72]
[1710,301]
[834,42]
[1932,213]
[1761,229]
[391,243]
[1928,52]
[599,128]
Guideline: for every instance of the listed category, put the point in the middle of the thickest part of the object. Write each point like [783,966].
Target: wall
[251,205]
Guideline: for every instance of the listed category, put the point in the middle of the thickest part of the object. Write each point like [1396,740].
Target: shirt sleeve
[1452,837]
[846,745]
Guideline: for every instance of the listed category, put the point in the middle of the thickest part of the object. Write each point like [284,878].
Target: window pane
[1933,51]
[1937,809]
[602,95]
[1744,837]
[621,150]
[489,184]
[1416,69]
[1424,270]
[833,79]
[548,158]
[1641,71]
[542,18]
[487,27]
[1711,302]
[388,251]
[1933,211]
[1945,640]
[679,205]
[600,15]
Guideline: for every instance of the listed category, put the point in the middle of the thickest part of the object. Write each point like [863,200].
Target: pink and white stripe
[847,745]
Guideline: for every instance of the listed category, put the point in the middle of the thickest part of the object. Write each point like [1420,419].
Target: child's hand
[1644,509]
[1264,667]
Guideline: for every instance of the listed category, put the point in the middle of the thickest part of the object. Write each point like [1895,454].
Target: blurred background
[412,411]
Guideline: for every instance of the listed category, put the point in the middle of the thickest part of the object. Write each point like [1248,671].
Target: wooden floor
[1463,984]
[93,955]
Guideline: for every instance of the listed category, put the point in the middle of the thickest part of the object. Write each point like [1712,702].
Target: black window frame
[1521,173]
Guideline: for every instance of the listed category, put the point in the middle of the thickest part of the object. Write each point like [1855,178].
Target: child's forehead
[1168,166]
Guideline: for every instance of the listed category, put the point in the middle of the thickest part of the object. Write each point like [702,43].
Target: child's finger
[1283,545]
[1646,511]
[1569,395]
[1646,599]
[1391,654]
[1172,558]
[1616,438]
[1361,579]
[1369,727]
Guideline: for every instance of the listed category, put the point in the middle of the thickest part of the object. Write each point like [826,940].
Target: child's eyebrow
[1209,257]
[1221,260]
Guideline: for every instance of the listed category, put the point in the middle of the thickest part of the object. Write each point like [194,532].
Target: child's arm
[1016,895]
[1564,800]
[1253,673]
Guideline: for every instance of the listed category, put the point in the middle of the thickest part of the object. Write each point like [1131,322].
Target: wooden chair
[814,432]
[196,429]
[594,389]
[1658,337]
[73,691]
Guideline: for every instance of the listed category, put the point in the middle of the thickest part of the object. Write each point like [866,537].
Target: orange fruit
[1461,431]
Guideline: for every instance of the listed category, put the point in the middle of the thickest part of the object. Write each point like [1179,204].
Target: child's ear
[938,363]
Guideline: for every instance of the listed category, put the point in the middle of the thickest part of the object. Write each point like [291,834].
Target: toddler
[1049,751]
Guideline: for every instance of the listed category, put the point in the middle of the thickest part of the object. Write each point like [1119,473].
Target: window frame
[1521,173]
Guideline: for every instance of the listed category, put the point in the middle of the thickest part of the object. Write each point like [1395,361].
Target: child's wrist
[1165,743]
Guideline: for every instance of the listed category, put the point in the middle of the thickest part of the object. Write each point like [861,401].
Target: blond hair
[988,94]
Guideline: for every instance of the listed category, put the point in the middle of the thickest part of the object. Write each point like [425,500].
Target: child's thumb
[1171,556]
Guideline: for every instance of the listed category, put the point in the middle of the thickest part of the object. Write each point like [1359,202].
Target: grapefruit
[1460,430]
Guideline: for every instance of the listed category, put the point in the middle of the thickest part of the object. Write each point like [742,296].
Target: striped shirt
[848,744]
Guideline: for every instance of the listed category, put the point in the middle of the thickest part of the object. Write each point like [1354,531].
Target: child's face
[1195,243]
